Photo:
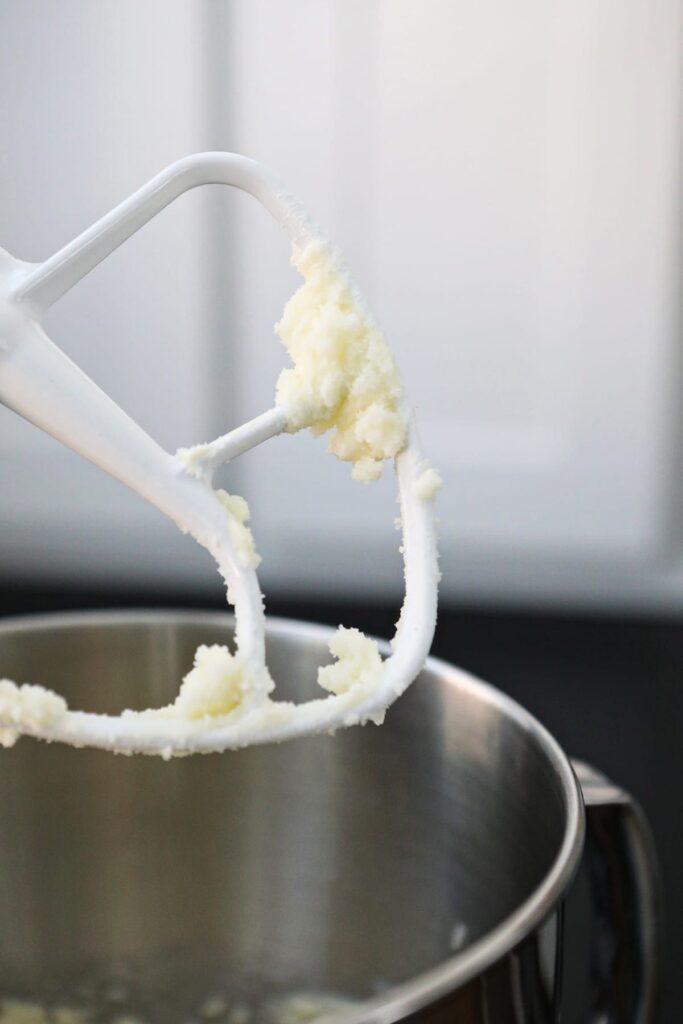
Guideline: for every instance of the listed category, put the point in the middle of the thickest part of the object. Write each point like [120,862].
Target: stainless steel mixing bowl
[419,868]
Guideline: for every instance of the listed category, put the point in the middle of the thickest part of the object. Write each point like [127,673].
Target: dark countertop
[608,688]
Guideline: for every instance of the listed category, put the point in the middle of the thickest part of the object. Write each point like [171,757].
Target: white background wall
[505,183]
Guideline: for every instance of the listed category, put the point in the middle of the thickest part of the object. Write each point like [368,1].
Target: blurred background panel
[96,99]
[505,183]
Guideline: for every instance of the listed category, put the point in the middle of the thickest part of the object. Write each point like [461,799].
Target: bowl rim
[435,983]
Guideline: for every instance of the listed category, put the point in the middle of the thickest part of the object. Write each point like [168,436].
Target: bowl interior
[342,864]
